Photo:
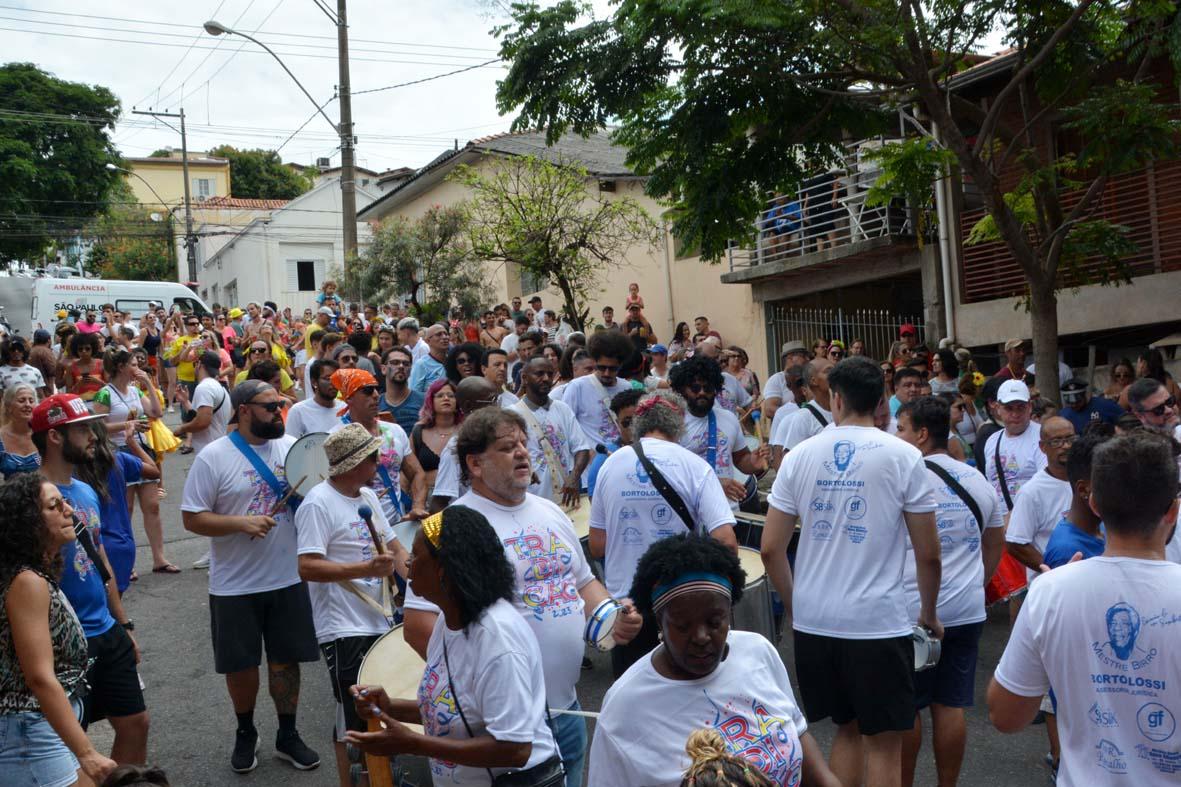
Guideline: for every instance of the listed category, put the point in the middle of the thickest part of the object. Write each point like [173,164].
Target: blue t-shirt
[592,472]
[1097,409]
[118,537]
[1068,539]
[406,414]
[426,370]
[80,577]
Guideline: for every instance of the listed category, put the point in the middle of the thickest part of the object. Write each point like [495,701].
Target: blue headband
[689,582]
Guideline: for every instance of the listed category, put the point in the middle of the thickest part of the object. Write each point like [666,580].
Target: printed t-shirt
[1043,503]
[118,537]
[747,699]
[1097,409]
[1021,456]
[850,486]
[635,515]
[560,430]
[212,394]
[447,480]
[494,663]
[590,400]
[80,577]
[1103,633]
[541,546]
[223,481]
[733,395]
[1068,539]
[309,416]
[406,413]
[728,439]
[25,373]
[776,388]
[394,448]
[327,524]
[961,586]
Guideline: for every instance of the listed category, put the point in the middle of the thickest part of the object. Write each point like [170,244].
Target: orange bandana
[349,381]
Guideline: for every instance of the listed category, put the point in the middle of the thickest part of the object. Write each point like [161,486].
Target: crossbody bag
[1000,473]
[665,489]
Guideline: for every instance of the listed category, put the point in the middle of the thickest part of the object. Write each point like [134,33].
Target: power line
[426,79]
[172,71]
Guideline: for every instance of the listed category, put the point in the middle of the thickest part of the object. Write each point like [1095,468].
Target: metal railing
[877,328]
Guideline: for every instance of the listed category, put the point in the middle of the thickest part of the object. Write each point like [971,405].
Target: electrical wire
[426,79]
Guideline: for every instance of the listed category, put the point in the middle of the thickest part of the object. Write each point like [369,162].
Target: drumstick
[283,500]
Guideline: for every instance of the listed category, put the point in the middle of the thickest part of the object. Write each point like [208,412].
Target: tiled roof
[240,202]
[596,152]
[193,159]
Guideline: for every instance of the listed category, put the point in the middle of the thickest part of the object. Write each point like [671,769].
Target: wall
[167,178]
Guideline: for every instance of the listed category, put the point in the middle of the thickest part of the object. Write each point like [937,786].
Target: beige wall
[167,179]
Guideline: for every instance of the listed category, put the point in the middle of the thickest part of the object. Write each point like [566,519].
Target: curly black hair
[264,370]
[472,350]
[674,556]
[609,344]
[697,368]
[11,344]
[80,340]
[22,530]
[478,573]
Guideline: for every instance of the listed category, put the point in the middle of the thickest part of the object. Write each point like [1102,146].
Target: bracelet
[128,625]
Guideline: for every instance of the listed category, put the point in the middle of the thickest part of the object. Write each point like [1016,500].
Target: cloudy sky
[155,54]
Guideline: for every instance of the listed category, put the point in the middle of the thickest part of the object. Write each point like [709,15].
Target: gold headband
[432,528]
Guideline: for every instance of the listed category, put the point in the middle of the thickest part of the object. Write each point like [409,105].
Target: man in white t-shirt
[970,549]
[494,367]
[509,343]
[211,406]
[1017,446]
[628,513]
[1101,632]
[856,493]
[1044,500]
[777,393]
[557,447]
[316,413]
[590,396]
[232,496]
[555,588]
[812,416]
[408,335]
[350,577]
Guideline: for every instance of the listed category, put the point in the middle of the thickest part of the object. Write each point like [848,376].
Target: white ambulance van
[32,303]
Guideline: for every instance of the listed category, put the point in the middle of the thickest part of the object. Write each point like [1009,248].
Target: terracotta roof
[241,202]
[193,159]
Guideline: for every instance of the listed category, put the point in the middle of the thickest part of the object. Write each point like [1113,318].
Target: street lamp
[112,167]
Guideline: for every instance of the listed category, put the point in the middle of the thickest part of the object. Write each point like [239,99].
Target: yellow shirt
[280,356]
[185,370]
[284,379]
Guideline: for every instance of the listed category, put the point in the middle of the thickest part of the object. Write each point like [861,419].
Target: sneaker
[245,756]
[202,562]
[291,747]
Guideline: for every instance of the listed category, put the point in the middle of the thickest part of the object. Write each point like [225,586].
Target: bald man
[472,394]
[1044,500]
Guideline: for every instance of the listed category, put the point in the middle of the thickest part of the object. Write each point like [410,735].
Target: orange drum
[1008,582]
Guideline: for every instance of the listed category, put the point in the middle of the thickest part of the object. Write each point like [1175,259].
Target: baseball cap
[658,349]
[1013,344]
[60,410]
[326,310]
[1012,391]
[792,347]
[40,335]
[907,328]
[244,392]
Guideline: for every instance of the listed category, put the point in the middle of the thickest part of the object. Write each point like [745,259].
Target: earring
[660,636]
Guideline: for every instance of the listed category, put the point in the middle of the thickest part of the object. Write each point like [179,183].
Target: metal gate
[878,328]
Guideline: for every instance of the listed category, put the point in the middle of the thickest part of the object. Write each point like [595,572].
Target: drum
[405,531]
[927,649]
[580,518]
[752,444]
[393,665]
[306,464]
[748,528]
[754,612]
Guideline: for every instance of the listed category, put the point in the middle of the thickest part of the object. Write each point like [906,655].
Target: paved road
[193,724]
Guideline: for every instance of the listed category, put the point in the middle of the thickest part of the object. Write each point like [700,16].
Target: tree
[723,103]
[541,216]
[427,261]
[261,174]
[129,242]
[54,148]
[161,153]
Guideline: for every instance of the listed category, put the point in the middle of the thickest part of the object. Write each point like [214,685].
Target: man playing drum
[557,446]
[348,573]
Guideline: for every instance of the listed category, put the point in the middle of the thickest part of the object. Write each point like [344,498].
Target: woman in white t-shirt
[481,700]
[701,675]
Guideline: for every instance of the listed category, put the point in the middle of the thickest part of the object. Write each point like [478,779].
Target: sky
[156,55]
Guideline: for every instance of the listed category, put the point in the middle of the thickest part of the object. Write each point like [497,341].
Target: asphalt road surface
[192,723]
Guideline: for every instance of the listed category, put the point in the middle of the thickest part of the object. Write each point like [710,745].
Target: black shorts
[281,618]
[343,657]
[113,678]
[952,681]
[870,681]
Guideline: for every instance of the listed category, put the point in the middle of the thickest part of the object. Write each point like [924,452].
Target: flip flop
[134,577]
[167,568]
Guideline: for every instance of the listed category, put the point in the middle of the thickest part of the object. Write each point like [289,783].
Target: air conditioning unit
[324,163]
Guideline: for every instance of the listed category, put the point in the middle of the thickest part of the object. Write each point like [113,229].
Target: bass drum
[580,518]
[393,665]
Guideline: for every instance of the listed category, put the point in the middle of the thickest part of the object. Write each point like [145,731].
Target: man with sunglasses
[317,413]
[232,495]
[590,396]
[399,399]
[211,409]
[1151,402]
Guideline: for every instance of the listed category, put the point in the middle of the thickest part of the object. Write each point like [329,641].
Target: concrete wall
[167,178]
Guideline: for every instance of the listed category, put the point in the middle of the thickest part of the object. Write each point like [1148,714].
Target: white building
[282,254]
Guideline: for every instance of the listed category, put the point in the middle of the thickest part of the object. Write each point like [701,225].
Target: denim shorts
[32,754]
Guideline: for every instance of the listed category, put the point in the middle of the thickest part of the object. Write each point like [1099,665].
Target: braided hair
[712,765]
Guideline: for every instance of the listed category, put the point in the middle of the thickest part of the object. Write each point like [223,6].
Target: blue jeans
[570,734]
[32,754]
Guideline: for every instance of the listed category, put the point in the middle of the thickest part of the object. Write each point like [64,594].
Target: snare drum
[580,518]
[393,665]
[754,612]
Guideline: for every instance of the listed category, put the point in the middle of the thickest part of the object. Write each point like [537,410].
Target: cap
[658,349]
[61,314]
[235,313]
[60,410]
[1013,344]
[792,347]
[1011,391]
[40,335]
[326,310]
[244,392]
[348,447]
[907,328]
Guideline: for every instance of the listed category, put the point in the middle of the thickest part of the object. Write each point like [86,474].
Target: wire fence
[876,328]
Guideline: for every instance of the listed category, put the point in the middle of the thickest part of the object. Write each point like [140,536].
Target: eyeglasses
[1160,409]
[56,504]
[1061,442]
[397,363]
[270,407]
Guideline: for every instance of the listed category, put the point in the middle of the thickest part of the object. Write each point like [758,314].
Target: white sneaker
[202,562]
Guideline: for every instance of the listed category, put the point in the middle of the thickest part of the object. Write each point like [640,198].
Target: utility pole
[190,238]
[348,171]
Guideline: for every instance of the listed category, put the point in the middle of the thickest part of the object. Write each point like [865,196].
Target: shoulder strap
[605,398]
[711,448]
[260,467]
[666,491]
[1000,471]
[458,707]
[959,490]
[815,414]
[557,470]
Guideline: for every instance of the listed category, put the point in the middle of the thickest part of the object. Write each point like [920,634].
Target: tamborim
[600,626]
[926,649]
[306,463]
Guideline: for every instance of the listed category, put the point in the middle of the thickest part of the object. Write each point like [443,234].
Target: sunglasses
[464,360]
[192,324]
[347,358]
[1160,409]
[701,388]
[270,407]
[368,389]
[258,349]
[56,504]
[836,353]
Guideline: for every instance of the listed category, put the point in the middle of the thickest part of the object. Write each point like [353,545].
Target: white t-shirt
[557,392]
[420,350]
[559,428]
[785,410]
[223,481]
[798,426]
[506,399]
[646,719]
[447,480]
[733,395]
[1043,503]
[635,515]
[495,665]
[309,416]
[541,546]
[776,388]
[728,440]
[849,486]
[961,587]
[1021,456]
[1103,634]
[591,401]
[328,524]
[212,394]
[394,448]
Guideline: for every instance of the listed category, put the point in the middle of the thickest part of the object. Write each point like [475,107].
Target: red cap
[60,410]
[906,328]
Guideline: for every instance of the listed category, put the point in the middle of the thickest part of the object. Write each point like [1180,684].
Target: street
[192,724]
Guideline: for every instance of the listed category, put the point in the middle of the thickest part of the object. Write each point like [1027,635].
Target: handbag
[665,489]
[550,773]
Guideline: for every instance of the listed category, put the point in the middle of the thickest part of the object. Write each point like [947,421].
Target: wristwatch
[128,625]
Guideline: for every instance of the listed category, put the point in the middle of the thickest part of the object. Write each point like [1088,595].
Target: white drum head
[393,665]
[580,517]
[306,463]
[405,531]
[600,626]
[752,564]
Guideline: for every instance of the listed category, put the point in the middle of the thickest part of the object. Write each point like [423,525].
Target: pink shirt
[85,327]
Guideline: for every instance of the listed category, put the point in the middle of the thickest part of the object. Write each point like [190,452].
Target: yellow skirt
[160,438]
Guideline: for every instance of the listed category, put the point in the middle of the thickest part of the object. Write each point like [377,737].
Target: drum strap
[664,488]
[959,490]
[711,449]
[816,414]
[392,489]
[605,398]
[557,475]
[386,606]
[1000,472]
[264,472]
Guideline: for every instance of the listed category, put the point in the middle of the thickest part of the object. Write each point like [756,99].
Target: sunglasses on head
[1159,410]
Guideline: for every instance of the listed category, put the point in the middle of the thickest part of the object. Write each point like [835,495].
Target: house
[675,288]
[256,250]
[162,178]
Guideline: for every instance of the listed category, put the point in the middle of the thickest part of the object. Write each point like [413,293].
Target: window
[202,188]
[304,275]
[530,282]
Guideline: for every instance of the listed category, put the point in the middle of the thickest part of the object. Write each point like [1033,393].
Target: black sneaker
[291,747]
[245,756]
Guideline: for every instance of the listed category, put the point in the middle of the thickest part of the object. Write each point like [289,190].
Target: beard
[272,430]
[75,455]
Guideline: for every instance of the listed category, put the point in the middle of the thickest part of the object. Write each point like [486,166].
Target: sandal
[186,449]
[134,577]
[167,568]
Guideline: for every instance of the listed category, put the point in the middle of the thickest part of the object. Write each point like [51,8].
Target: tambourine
[927,649]
[306,463]
[600,626]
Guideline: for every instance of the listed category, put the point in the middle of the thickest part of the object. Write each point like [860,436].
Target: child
[328,297]
[633,296]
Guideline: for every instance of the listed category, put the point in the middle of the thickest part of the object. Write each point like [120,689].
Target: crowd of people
[888,503]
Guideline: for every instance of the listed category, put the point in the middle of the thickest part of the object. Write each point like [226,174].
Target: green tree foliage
[161,153]
[54,147]
[549,219]
[428,261]
[722,102]
[130,242]
[261,174]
